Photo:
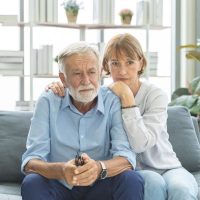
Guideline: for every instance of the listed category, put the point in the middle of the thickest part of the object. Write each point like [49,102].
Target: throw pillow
[183,137]
[14,127]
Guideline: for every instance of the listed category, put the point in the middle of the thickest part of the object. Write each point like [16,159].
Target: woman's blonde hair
[124,44]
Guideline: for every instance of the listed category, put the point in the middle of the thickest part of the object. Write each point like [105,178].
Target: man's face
[82,76]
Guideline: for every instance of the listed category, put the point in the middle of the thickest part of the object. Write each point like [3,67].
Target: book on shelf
[34,59]
[152,63]
[142,12]
[25,105]
[12,72]
[8,53]
[11,66]
[157,10]
[8,19]
[42,62]
[149,12]
[11,62]
[43,11]
[50,9]
[11,59]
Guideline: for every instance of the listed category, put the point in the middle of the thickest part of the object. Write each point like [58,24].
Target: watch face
[103,174]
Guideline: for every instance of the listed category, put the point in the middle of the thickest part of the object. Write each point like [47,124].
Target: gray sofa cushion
[196,126]
[183,137]
[14,128]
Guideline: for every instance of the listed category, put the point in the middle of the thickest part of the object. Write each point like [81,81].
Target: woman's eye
[130,62]
[115,64]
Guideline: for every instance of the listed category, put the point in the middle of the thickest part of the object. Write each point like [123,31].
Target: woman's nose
[122,69]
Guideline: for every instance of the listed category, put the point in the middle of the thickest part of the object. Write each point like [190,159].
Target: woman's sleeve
[143,129]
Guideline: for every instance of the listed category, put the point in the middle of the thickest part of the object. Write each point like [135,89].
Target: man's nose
[85,79]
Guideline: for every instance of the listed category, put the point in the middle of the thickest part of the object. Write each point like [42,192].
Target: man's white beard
[84,97]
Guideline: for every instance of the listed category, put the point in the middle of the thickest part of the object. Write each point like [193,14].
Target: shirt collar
[66,101]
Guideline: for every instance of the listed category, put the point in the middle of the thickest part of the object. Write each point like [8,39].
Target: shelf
[34,76]
[87,26]
[101,26]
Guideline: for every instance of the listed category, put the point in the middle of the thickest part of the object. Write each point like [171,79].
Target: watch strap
[103,173]
[102,165]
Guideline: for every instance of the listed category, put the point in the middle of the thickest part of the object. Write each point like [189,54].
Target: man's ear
[63,79]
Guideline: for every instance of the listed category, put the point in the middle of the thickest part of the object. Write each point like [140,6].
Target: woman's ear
[141,67]
[63,79]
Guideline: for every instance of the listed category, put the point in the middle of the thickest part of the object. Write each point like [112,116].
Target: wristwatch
[103,174]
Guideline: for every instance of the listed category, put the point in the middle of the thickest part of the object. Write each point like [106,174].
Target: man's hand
[57,88]
[68,169]
[88,173]
[123,92]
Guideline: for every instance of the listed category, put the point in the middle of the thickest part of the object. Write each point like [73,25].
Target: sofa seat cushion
[10,188]
[197,177]
[183,137]
[9,197]
[14,127]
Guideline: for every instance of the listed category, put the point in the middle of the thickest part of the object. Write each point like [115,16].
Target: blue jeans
[174,184]
[125,186]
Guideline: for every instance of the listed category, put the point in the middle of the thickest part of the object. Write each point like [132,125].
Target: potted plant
[126,16]
[189,97]
[71,9]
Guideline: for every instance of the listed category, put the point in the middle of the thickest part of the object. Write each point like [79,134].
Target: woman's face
[124,69]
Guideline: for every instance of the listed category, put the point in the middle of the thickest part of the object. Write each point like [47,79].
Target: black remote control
[79,160]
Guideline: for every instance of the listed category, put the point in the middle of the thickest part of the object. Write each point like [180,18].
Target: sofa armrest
[196,126]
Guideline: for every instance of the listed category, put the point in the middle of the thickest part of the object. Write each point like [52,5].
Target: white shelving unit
[83,29]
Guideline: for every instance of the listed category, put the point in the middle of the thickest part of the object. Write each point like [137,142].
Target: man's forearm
[48,170]
[117,165]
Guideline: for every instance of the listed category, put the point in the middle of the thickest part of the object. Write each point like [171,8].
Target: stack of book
[8,19]
[42,60]
[149,12]
[43,11]
[153,63]
[11,62]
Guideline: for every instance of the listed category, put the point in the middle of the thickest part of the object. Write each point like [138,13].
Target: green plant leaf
[195,86]
[194,55]
[195,109]
[179,92]
[191,46]
[186,100]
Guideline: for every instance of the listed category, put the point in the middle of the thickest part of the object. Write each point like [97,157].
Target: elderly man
[88,121]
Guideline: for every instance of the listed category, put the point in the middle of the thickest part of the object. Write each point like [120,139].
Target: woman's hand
[57,88]
[123,92]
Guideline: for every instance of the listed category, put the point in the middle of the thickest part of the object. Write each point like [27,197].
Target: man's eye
[77,74]
[92,72]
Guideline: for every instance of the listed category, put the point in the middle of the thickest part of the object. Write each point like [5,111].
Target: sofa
[14,125]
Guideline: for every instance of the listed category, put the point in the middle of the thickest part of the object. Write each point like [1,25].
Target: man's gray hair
[77,48]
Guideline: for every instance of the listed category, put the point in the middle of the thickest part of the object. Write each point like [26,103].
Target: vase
[126,19]
[71,17]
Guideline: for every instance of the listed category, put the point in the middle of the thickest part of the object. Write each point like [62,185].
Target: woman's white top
[146,127]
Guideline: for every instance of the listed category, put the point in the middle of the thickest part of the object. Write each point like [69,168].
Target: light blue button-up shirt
[58,130]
